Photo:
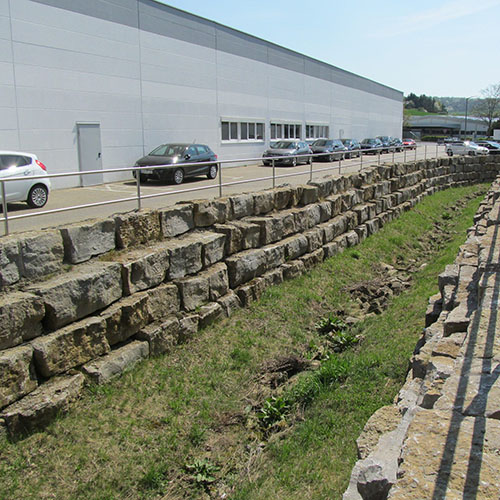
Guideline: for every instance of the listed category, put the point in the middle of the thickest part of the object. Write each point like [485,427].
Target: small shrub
[202,471]
[331,324]
[343,340]
[273,410]
[154,478]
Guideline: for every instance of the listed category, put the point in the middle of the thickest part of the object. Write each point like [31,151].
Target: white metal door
[89,152]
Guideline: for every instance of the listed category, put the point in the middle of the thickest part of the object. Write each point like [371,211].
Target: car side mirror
[187,156]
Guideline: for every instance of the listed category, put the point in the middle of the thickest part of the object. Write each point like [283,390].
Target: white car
[34,192]
[465,148]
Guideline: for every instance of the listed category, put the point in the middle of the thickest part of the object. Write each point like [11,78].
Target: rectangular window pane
[234,130]
[244,131]
[251,130]
[279,134]
[225,131]
[273,131]
[260,131]
[297,131]
[286,131]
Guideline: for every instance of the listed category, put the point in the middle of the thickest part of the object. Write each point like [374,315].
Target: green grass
[187,425]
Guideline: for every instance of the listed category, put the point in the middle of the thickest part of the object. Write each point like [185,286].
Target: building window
[285,131]
[317,131]
[242,131]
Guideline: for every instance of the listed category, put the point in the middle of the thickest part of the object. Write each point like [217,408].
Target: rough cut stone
[213,248]
[20,316]
[283,198]
[126,317]
[176,220]
[36,410]
[144,268]
[293,269]
[242,205]
[162,301]
[70,346]
[263,202]
[209,313]
[230,303]
[161,337]
[310,194]
[194,291]
[188,327]
[185,256]
[86,240]
[115,363]
[134,229]
[17,374]
[41,253]
[209,212]
[218,281]
[10,261]
[79,293]
[295,246]
[245,266]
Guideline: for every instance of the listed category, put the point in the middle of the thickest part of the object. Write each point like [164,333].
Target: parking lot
[235,179]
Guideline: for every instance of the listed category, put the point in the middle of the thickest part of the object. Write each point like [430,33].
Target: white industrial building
[95,84]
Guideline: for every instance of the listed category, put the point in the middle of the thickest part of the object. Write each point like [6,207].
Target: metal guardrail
[220,185]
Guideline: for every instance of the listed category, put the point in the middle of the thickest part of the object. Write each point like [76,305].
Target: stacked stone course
[86,301]
[441,438]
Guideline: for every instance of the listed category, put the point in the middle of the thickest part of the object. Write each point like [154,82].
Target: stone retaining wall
[441,438]
[85,302]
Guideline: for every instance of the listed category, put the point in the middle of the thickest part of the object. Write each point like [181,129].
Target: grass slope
[187,425]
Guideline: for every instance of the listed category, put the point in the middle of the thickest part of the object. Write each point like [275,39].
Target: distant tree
[488,107]
[423,103]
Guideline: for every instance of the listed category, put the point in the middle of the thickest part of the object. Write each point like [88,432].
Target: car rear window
[8,161]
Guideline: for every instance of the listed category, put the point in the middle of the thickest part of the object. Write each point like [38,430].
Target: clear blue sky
[439,48]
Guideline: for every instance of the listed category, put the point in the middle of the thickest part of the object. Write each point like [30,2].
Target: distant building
[419,126]
[95,84]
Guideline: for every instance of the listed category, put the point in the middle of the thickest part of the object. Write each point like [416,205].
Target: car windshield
[470,143]
[321,142]
[169,150]
[284,145]
[337,142]
[369,141]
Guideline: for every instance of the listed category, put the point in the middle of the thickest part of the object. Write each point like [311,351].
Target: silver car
[294,152]
[465,148]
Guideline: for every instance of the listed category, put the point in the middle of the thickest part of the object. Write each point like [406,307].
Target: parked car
[397,144]
[335,147]
[35,192]
[465,148]
[290,149]
[179,157]
[409,144]
[386,141]
[492,146]
[371,146]
[352,146]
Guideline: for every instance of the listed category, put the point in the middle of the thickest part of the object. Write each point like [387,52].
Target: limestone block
[314,239]
[312,259]
[115,363]
[17,374]
[209,313]
[336,202]
[39,408]
[384,420]
[295,246]
[274,256]
[457,321]
[185,256]
[213,245]
[137,228]
[449,346]
[283,198]
[176,220]
[126,317]
[161,337]
[242,205]
[218,280]
[188,327]
[10,261]
[245,266]
[352,238]
[251,291]
[86,240]
[230,303]
[274,277]
[448,277]
[362,232]
[330,249]
[361,212]
[194,291]
[341,242]
[209,212]
[21,317]
[310,194]
[143,268]
[334,227]
[372,226]
[79,293]
[288,219]
[162,301]
[326,211]
[271,228]
[239,235]
[307,217]
[70,346]
[325,186]
[263,202]
[41,253]
[293,269]
[433,309]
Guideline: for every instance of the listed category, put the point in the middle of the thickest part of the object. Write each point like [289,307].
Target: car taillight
[41,165]
[215,156]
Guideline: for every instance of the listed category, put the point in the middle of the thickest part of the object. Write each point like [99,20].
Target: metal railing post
[4,207]
[360,161]
[274,173]
[310,170]
[415,153]
[437,154]
[425,152]
[220,180]
[378,157]
[404,159]
[340,164]
[138,183]
[393,151]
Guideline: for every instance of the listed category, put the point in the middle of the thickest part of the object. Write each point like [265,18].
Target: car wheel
[179,176]
[265,163]
[38,196]
[294,161]
[212,172]
[472,153]
[143,178]
[449,153]
[331,158]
